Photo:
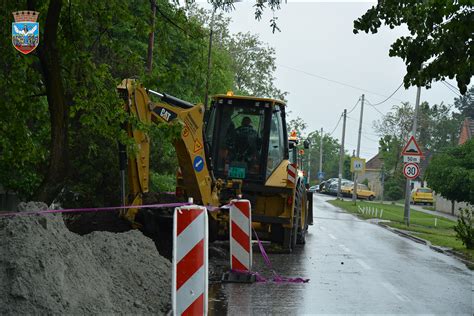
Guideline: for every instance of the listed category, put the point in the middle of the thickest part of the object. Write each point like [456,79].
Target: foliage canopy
[440,44]
[452,173]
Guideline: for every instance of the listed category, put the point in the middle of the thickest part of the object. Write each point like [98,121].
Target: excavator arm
[198,180]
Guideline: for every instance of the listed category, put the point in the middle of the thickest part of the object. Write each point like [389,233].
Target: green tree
[438,126]
[254,66]
[297,124]
[465,103]
[252,61]
[438,129]
[452,173]
[67,115]
[439,45]
[394,129]
[330,164]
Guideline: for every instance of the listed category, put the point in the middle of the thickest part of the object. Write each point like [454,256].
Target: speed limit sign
[411,170]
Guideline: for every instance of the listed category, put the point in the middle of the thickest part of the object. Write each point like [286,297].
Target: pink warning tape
[276,277]
[94,209]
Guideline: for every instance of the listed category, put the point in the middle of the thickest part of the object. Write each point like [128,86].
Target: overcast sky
[316,40]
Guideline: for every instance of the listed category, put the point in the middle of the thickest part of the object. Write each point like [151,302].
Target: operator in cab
[245,143]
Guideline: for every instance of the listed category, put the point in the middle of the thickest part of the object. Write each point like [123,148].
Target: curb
[407,235]
[446,251]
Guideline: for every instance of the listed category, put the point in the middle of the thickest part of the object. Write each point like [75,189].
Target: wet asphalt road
[354,267]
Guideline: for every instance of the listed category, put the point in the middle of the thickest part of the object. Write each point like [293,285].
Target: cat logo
[165,114]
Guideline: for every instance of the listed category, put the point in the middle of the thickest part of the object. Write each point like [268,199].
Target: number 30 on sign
[411,170]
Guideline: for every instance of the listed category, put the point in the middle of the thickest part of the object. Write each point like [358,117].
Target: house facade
[467,130]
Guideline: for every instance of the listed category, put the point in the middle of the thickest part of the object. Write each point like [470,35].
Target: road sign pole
[406,214]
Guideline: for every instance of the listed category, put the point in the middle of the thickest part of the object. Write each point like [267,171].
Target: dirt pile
[46,269]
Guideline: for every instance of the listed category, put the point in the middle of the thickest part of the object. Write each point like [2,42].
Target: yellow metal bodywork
[198,184]
[280,205]
[417,196]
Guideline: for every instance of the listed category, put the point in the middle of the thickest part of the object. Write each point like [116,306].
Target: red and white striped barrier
[291,173]
[240,235]
[190,263]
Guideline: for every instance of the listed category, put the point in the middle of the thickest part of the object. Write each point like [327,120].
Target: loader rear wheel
[300,201]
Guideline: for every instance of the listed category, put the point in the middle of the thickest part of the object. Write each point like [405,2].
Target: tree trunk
[452,207]
[151,38]
[58,108]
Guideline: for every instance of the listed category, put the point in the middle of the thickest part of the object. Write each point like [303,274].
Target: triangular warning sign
[197,146]
[412,148]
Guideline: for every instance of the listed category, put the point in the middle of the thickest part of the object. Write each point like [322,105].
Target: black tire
[300,197]
[371,198]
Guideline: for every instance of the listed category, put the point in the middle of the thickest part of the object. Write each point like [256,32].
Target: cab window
[240,141]
[276,149]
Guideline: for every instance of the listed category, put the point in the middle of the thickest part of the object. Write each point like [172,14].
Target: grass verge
[437,230]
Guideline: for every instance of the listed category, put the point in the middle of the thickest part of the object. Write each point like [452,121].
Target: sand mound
[46,269]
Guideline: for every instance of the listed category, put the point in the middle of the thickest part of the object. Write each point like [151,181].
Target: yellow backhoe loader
[237,148]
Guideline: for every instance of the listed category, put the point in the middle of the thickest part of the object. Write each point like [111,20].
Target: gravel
[47,269]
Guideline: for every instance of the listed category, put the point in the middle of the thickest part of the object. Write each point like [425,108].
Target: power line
[451,89]
[401,84]
[370,139]
[370,134]
[335,81]
[340,117]
[373,106]
[355,120]
[170,21]
[365,147]
[353,108]
[455,88]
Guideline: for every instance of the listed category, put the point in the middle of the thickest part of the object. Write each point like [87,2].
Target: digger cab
[246,137]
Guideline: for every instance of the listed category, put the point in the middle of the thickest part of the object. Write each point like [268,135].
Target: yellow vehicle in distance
[422,195]
[363,191]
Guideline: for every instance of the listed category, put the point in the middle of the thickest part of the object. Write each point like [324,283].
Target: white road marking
[363,264]
[345,248]
[394,291]
[332,236]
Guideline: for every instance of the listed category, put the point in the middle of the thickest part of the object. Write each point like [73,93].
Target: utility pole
[321,152]
[208,75]
[341,155]
[406,214]
[151,38]
[356,174]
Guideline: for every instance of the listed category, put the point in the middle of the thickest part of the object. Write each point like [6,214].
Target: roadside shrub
[465,228]
[393,189]
[162,182]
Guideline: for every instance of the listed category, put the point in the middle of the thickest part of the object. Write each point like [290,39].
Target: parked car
[332,184]
[314,188]
[363,191]
[422,195]
[324,186]
[333,188]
